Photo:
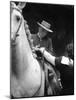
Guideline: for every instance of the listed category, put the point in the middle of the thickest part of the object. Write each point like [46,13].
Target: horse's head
[16,18]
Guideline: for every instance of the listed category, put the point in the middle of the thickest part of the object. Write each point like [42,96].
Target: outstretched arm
[56,60]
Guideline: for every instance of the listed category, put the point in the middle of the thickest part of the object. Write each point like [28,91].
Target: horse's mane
[28,33]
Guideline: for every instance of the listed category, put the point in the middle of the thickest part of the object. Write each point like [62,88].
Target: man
[41,39]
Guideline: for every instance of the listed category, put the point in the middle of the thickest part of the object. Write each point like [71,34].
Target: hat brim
[44,27]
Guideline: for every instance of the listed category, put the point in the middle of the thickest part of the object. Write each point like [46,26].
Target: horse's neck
[24,58]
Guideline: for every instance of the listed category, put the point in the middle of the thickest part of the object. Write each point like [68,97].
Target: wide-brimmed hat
[45,25]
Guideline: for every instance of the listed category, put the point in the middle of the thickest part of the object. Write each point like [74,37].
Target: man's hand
[37,50]
[42,49]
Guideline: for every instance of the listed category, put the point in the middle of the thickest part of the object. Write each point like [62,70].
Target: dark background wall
[61,18]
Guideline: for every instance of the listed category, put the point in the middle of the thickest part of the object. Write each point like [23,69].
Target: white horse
[27,76]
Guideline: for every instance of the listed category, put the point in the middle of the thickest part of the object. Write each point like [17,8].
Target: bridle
[16,33]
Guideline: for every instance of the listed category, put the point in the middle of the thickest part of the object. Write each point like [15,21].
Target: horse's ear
[21,5]
[12,4]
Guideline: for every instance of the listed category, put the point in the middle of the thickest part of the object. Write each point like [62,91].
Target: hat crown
[46,24]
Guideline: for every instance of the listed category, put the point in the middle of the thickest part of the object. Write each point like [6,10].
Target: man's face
[42,32]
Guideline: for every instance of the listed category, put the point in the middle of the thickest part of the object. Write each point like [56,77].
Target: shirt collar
[39,36]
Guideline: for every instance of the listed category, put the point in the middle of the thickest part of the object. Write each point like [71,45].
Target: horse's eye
[17,18]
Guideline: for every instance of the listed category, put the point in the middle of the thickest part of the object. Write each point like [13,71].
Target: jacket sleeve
[65,66]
